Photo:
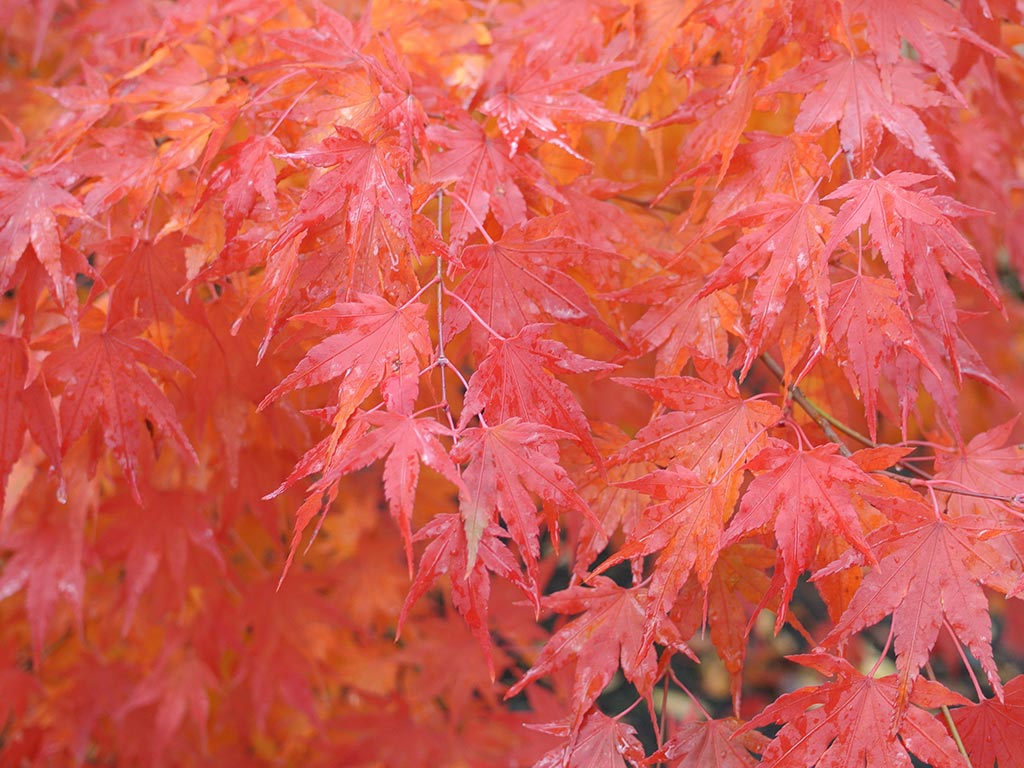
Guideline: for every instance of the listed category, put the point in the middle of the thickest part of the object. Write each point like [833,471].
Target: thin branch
[811,409]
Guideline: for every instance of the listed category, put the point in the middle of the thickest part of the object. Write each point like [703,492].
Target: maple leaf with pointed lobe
[929,573]
[246,175]
[47,559]
[541,91]
[448,553]
[710,742]
[677,324]
[738,586]
[523,279]
[486,176]
[684,529]
[710,431]
[784,246]
[718,114]
[850,722]
[179,683]
[608,636]
[921,24]
[867,328]
[404,440]
[987,463]
[24,404]
[914,232]
[802,494]
[852,95]
[30,203]
[155,542]
[600,742]
[372,343]
[104,381]
[514,381]
[506,463]
[992,731]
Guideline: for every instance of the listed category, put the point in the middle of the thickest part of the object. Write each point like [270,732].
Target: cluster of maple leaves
[380,379]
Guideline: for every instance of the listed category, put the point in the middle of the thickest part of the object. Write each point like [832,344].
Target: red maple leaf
[930,572]
[24,403]
[851,94]
[867,329]
[523,279]
[30,202]
[850,720]
[541,91]
[711,430]
[406,441]
[993,730]
[914,232]
[514,381]
[803,495]
[600,742]
[104,381]
[372,343]
[608,635]
[486,177]
[684,529]
[785,245]
[448,553]
[710,742]
[506,463]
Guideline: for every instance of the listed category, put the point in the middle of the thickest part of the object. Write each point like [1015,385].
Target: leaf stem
[948,717]
[475,316]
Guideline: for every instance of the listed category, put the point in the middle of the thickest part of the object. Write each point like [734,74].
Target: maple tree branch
[442,359]
[948,717]
[817,415]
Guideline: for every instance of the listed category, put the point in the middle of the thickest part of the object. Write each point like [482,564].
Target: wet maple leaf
[156,542]
[867,328]
[852,95]
[372,343]
[506,463]
[406,441]
[684,529]
[521,279]
[710,742]
[24,404]
[607,637]
[914,232]
[514,381]
[600,742]
[486,177]
[849,721]
[993,730]
[802,494]
[930,572]
[448,553]
[48,560]
[103,380]
[710,431]
[785,245]
[925,25]
[180,683]
[30,203]
[247,175]
[679,325]
[987,462]
[541,92]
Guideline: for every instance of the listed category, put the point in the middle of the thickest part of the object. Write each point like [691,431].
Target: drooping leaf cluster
[511,383]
